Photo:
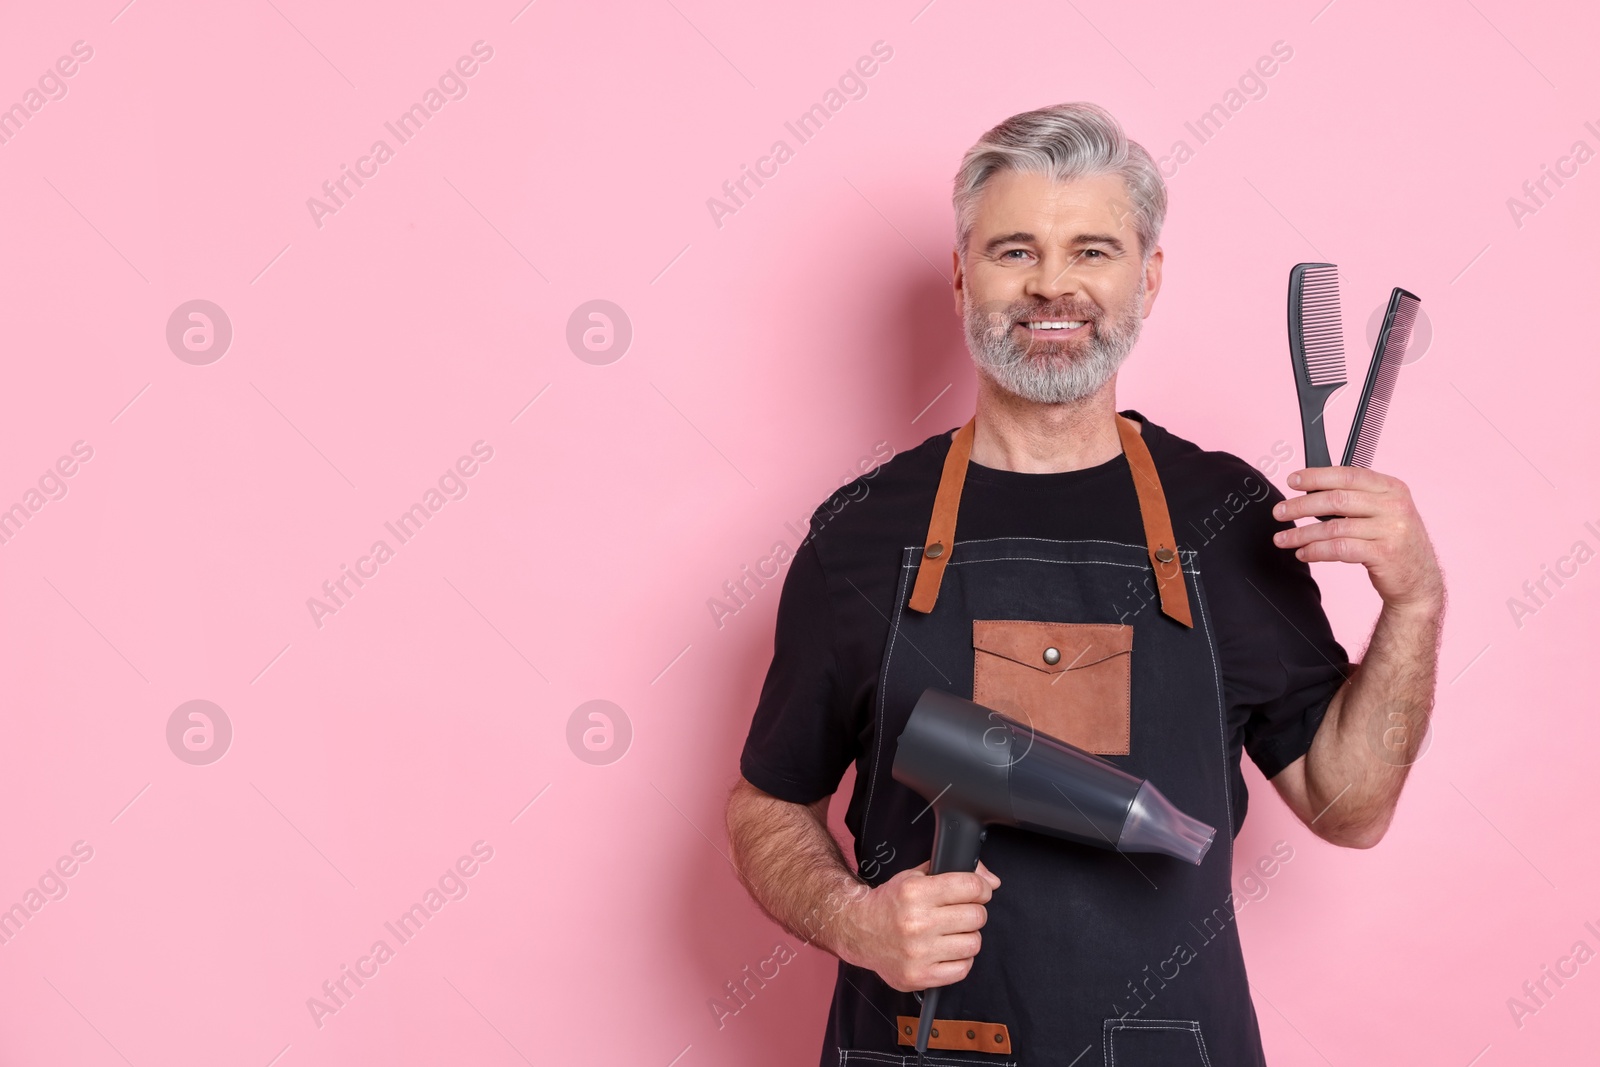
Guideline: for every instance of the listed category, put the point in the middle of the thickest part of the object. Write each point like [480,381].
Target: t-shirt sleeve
[800,743]
[1281,663]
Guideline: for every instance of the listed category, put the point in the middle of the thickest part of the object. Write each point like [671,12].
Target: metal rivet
[908,1029]
[1052,656]
[935,1031]
[935,550]
[1165,554]
[971,1035]
[998,1038]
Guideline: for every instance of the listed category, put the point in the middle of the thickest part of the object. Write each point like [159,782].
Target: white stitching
[1035,559]
[1185,1025]
[1222,724]
[1054,541]
[1072,562]
[1057,541]
[846,1055]
[1185,555]
[878,699]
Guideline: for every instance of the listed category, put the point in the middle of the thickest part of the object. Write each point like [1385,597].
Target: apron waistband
[963,1034]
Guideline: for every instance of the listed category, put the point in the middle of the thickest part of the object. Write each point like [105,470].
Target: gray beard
[1047,371]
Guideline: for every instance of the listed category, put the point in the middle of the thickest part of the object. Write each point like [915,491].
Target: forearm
[792,866]
[1374,727]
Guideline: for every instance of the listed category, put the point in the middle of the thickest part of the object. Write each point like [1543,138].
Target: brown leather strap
[1162,546]
[942,527]
[1158,539]
[961,1034]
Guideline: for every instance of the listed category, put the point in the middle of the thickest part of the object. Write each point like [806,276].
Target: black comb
[1316,348]
[1393,340]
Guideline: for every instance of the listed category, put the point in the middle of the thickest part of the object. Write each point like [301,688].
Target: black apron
[1090,958]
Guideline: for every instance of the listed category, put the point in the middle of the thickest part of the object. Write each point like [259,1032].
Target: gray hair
[1064,142]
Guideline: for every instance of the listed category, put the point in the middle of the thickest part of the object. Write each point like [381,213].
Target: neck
[1019,435]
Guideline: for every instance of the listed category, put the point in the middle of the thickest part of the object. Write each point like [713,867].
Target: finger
[913,874]
[956,887]
[1329,502]
[942,974]
[1369,529]
[954,948]
[994,879]
[951,919]
[1341,549]
[1361,478]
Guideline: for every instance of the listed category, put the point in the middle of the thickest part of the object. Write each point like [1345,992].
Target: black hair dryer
[978,768]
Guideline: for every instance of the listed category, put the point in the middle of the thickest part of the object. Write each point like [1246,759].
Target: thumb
[989,876]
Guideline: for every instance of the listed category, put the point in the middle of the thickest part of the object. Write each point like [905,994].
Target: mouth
[1053,329]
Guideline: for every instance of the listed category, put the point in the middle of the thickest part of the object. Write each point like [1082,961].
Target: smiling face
[1052,288]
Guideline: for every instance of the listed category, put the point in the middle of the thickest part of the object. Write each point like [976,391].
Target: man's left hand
[1375,524]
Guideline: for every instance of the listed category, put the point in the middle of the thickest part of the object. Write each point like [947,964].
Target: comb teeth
[1391,354]
[1321,329]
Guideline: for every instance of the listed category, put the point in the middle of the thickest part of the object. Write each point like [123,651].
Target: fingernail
[1294,480]
[1277,511]
[1278,537]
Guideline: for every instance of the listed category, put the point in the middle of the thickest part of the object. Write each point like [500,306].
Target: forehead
[1023,201]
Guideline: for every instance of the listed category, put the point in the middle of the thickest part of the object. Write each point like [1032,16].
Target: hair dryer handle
[957,837]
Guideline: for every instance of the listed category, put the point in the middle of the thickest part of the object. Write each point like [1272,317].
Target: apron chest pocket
[1069,680]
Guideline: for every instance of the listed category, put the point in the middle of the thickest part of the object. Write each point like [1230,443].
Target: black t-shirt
[1280,662]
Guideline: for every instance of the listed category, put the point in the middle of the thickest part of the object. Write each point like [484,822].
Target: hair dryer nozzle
[1156,825]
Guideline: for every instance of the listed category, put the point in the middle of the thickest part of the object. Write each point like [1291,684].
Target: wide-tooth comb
[1316,348]
[1393,340]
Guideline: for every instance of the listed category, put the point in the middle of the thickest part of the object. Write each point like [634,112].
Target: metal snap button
[935,550]
[935,1031]
[908,1029]
[998,1038]
[971,1035]
[1052,656]
[1165,554]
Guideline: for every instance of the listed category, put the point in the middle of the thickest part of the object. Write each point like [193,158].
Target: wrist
[841,932]
[1426,608]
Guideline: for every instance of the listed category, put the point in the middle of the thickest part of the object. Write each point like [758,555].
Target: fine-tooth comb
[1316,348]
[1393,340]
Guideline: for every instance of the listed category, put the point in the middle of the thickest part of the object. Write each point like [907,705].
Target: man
[1117,587]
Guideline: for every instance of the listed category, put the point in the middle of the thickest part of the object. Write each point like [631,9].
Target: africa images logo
[452,85]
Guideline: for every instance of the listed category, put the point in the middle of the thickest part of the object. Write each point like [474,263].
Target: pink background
[768,356]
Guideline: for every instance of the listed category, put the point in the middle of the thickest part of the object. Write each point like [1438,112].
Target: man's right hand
[920,930]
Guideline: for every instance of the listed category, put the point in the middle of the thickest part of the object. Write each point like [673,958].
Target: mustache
[992,331]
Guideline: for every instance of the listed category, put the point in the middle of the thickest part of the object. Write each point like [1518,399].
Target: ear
[958,281]
[1152,280]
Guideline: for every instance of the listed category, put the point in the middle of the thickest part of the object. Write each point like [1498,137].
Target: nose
[1053,276]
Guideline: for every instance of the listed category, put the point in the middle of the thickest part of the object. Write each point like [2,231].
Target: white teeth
[1055,325]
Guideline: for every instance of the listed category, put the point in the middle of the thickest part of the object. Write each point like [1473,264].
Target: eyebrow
[1023,237]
